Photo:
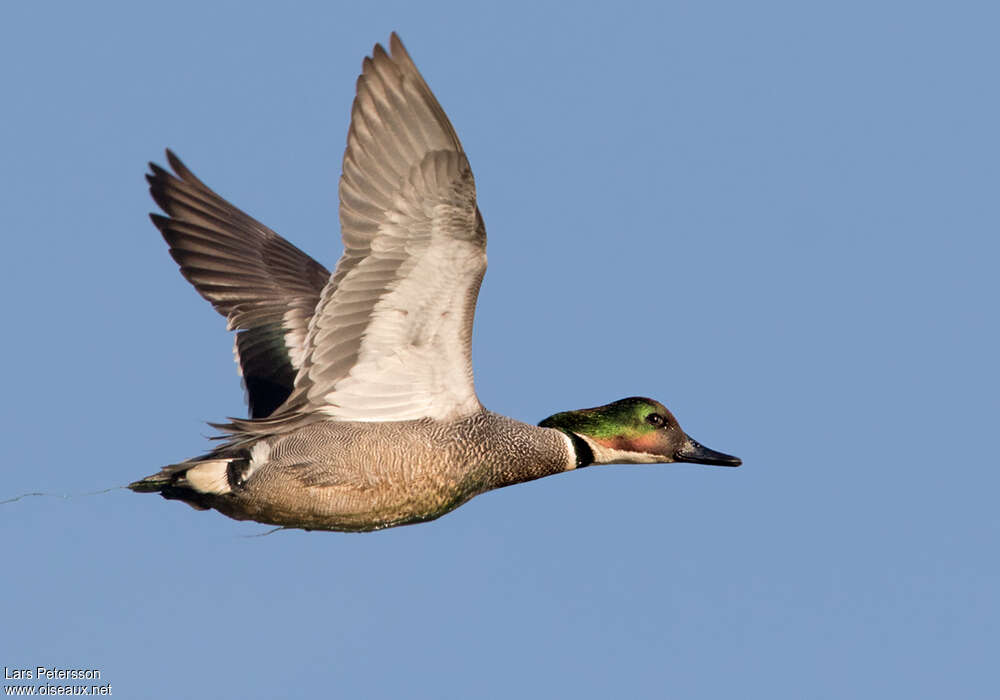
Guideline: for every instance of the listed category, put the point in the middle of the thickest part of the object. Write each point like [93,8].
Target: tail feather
[197,482]
[163,478]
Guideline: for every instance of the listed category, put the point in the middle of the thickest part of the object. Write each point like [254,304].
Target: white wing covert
[390,339]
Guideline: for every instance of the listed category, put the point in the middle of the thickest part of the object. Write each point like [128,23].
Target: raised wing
[390,339]
[265,287]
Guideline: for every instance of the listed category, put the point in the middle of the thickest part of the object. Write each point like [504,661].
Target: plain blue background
[779,218]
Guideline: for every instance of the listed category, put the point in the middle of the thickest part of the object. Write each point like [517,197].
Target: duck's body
[363,410]
[333,475]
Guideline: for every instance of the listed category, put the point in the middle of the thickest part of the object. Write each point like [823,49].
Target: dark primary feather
[265,287]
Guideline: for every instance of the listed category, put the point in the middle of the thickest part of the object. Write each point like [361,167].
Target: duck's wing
[391,336]
[265,287]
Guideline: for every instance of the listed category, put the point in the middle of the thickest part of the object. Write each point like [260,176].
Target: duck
[363,413]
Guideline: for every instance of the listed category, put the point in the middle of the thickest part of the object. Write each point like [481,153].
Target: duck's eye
[656,420]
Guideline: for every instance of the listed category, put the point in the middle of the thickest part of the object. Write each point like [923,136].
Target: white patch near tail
[260,453]
[209,477]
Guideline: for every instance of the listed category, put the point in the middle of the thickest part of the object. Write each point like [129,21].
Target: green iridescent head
[635,430]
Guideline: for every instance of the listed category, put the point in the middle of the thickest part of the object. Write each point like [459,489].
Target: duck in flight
[363,412]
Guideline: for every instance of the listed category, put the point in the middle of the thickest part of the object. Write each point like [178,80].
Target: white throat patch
[609,455]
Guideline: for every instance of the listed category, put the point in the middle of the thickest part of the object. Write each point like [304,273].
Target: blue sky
[779,218]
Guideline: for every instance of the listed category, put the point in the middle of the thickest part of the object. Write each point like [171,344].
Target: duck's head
[632,431]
